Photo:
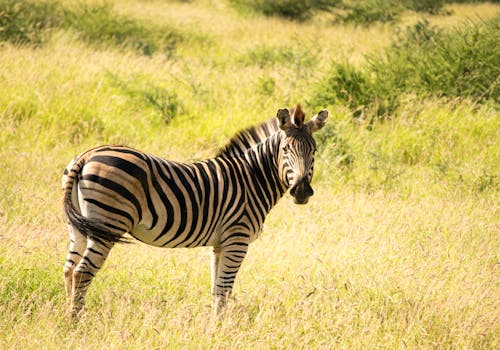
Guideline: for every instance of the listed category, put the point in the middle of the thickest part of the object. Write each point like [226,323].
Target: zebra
[220,202]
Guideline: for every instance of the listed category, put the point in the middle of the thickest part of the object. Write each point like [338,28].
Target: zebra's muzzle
[301,191]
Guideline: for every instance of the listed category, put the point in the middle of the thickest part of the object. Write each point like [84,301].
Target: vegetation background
[399,247]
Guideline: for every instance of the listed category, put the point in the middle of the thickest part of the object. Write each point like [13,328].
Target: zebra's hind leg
[77,245]
[92,260]
[229,260]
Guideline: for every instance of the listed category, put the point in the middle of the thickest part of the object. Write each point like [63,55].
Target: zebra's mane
[249,137]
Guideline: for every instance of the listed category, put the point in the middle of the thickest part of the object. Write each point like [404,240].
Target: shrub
[429,6]
[370,11]
[27,22]
[99,25]
[345,85]
[424,61]
[299,10]
[266,86]
[462,62]
[270,55]
[148,95]
[30,22]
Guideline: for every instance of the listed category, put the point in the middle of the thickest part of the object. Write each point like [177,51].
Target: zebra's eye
[286,148]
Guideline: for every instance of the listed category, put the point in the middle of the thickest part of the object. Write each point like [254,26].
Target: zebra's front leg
[227,259]
[91,262]
[214,266]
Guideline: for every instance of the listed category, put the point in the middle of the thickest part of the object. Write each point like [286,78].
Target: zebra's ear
[318,121]
[284,120]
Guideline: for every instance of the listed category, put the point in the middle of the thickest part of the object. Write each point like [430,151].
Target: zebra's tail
[95,229]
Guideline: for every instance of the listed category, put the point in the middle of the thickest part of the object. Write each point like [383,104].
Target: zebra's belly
[172,238]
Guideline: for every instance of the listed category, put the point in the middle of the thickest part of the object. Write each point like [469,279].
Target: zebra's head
[297,149]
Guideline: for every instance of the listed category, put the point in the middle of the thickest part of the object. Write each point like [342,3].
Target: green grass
[398,248]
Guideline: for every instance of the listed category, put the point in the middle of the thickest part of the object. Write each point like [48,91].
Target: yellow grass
[414,265]
[349,271]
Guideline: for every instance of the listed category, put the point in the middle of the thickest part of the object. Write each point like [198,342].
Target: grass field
[399,247]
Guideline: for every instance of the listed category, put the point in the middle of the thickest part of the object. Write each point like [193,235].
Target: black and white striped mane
[249,137]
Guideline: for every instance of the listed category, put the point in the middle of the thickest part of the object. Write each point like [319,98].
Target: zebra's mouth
[300,200]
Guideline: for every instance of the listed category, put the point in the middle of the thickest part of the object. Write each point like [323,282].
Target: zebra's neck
[265,183]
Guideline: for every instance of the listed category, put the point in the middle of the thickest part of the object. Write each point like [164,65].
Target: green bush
[345,85]
[370,11]
[429,6]
[352,11]
[27,22]
[148,95]
[99,25]
[30,22]
[462,62]
[270,55]
[299,10]
[424,61]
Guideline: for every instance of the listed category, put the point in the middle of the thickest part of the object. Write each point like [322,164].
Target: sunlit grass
[412,272]
[398,247]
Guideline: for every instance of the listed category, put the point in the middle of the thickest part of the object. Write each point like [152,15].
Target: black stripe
[271,179]
[145,186]
[86,273]
[245,235]
[110,209]
[194,205]
[227,277]
[206,196]
[255,178]
[87,259]
[133,170]
[176,190]
[119,189]
[163,197]
[94,251]
[205,205]
[233,260]
[226,286]
[212,177]
[126,150]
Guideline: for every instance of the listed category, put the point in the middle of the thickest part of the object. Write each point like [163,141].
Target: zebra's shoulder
[249,137]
